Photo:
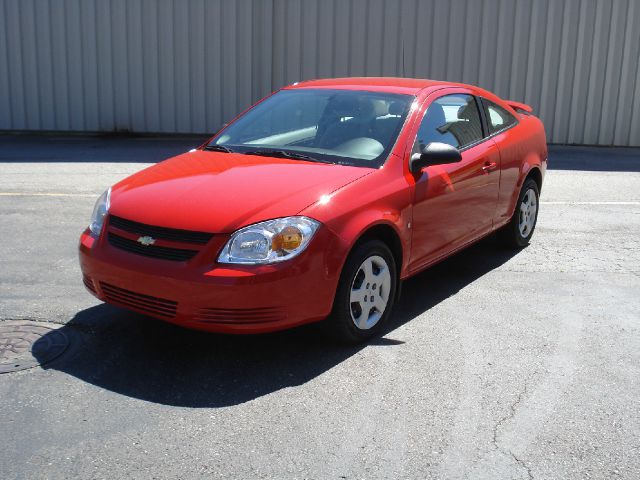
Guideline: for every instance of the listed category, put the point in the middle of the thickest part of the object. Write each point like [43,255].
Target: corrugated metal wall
[190,65]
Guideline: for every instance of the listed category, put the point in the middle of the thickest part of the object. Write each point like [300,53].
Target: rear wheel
[519,230]
[365,294]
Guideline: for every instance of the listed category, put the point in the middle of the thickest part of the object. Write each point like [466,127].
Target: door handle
[489,167]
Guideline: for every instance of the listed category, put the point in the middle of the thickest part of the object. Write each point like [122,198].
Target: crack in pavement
[506,418]
[523,465]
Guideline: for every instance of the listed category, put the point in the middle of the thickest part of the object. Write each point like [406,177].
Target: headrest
[396,108]
[435,115]
[367,109]
[467,112]
[380,108]
[343,105]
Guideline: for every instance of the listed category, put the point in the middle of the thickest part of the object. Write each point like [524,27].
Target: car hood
[221,192]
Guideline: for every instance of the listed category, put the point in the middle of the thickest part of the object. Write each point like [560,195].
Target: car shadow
[154,361]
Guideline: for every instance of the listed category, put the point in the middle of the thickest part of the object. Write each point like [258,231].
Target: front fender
[348,233]
[382,198]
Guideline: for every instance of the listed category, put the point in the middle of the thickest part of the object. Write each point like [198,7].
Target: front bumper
[214,297]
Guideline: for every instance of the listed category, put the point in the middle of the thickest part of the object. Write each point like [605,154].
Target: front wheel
[519,230]
[365,294]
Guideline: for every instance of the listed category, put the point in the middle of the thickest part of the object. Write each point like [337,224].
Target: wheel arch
[530,169]
[386,234]
[536,174]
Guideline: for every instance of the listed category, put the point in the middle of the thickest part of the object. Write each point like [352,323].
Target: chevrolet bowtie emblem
[146,241]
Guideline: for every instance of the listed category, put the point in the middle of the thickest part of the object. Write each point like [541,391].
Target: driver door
[453,204]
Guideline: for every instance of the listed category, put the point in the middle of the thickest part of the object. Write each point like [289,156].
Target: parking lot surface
[497,365]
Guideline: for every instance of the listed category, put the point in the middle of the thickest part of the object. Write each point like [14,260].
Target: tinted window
[341,126]
[498,118]
[452,119]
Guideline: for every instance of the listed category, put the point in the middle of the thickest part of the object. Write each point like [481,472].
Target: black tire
[340,323]
[511,235]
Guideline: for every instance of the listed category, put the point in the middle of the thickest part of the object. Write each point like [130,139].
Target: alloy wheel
[528,210]
[370,291]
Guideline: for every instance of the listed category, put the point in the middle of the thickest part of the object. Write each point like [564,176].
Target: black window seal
[483,117]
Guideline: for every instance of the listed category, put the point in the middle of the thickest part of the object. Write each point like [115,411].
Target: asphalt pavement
[497,365]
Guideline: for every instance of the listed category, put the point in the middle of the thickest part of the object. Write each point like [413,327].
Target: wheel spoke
[362,320]
[367,268]
[373,319]
[358,295]
[380,304]
[383,280]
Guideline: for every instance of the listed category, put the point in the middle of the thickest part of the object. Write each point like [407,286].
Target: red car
[315,203]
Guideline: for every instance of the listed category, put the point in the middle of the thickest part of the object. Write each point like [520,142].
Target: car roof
[410,86]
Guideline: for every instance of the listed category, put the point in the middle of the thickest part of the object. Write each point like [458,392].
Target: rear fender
[531,162]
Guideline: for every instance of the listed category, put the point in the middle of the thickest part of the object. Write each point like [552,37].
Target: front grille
[117,238]
[153,251]
[137,301]
[172,234]
[240,316]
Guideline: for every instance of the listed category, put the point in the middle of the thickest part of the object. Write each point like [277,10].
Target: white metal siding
[190,65]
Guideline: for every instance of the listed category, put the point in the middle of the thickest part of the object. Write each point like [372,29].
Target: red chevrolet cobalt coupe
[315,203]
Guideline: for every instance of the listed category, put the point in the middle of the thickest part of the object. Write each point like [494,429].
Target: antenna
[402,46]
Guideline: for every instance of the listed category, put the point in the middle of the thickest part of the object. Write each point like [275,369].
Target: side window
[497,117]
[452,119]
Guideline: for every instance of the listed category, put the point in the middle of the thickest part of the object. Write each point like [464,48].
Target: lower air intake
[240,316]
[137,301]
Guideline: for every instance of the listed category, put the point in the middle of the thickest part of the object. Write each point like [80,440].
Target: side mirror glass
[435,153]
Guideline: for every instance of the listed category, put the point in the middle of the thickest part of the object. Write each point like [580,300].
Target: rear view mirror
[435,153]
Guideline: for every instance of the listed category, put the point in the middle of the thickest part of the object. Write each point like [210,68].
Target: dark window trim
[483,117]
[485,125]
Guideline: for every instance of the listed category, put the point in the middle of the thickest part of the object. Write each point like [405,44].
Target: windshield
[347,127]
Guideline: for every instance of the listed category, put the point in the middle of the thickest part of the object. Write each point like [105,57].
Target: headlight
[269,242]
[99,212]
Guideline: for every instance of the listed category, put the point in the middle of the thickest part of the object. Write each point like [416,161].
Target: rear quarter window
[497,117]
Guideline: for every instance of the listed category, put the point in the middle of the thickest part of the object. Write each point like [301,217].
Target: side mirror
[435,153]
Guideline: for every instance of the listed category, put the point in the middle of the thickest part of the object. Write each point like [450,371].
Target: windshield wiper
[218,148]
[285,154]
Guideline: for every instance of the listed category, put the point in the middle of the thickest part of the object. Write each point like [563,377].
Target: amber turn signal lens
[289,238]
